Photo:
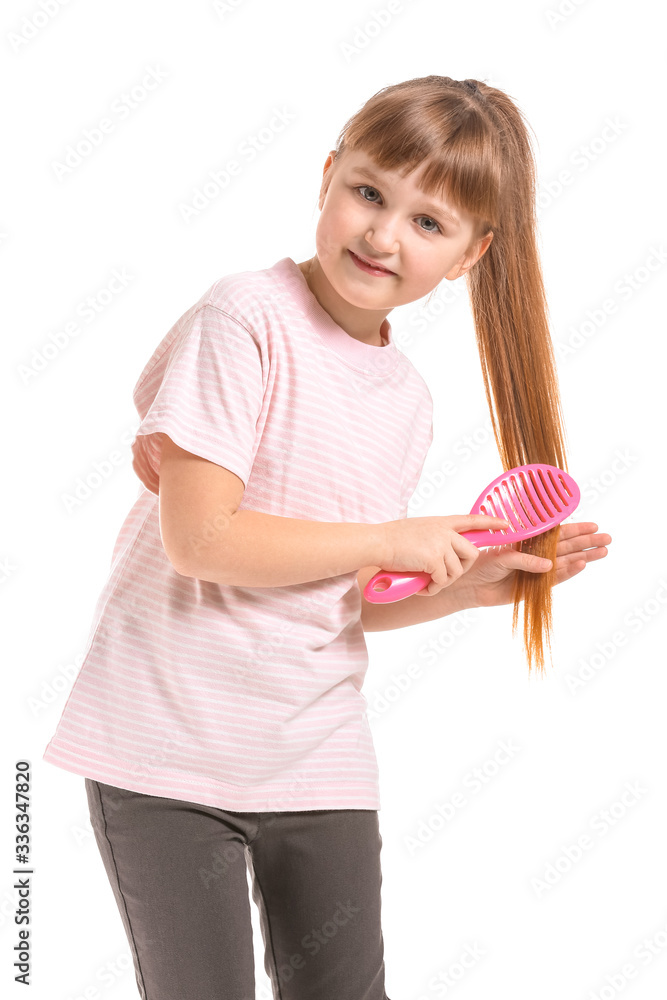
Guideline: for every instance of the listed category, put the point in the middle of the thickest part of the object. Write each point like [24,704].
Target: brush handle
[395,585]
[532,498]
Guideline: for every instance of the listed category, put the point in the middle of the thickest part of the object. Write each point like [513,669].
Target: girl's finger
[567,565]
[581,543]
[588,555]
[576,529]
[569,570]
[526,561]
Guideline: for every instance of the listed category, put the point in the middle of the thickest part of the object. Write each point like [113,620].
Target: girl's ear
[471,256]
[326,176]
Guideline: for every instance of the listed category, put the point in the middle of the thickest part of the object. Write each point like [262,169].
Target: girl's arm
[205,535]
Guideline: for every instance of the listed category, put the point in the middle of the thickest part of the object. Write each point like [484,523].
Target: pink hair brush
[532,498]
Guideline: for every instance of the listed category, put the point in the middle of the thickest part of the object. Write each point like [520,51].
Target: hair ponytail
[479,155]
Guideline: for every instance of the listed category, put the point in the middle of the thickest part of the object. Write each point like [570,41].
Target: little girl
[218,717]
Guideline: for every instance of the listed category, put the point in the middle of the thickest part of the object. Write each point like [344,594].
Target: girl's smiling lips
[369,265]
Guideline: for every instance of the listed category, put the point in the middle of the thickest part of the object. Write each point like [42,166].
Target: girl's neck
[362,324]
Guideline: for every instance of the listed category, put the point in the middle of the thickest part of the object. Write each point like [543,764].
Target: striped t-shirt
[249,698]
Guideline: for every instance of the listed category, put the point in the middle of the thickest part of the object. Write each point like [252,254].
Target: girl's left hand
[489,581]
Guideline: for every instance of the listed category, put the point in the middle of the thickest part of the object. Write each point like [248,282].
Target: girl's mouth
[369,268]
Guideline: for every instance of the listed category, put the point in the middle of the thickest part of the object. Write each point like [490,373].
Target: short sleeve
[205,391]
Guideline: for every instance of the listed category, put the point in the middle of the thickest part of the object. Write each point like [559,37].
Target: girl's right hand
[432,545]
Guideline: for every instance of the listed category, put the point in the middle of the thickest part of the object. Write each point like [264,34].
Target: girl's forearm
[251,549]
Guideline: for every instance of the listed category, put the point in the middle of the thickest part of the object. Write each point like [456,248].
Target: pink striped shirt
[249,698]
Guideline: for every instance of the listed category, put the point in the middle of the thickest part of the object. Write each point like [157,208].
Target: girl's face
[385,217]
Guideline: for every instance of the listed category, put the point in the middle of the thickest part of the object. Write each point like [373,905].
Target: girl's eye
[437,227]
[367,187]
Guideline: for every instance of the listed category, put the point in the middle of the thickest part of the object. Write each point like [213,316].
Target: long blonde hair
[479,156]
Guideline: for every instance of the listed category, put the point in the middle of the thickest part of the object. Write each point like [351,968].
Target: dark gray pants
[178,873]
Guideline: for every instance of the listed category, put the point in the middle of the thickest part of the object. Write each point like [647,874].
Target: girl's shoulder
[239,300]
[252,298]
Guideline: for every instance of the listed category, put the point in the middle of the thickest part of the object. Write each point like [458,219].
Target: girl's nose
[382,240]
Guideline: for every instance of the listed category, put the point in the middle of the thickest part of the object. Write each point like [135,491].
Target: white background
[471,883]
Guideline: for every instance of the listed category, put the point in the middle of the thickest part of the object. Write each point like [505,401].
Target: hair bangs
[445,134]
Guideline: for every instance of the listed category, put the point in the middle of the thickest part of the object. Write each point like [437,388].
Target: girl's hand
[434,545]
[490,579]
